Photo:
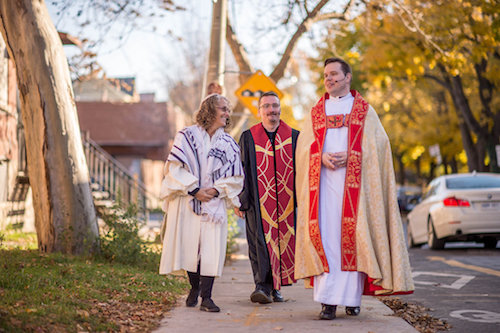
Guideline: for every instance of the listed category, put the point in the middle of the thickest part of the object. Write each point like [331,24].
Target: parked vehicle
[458,207]
[408,197]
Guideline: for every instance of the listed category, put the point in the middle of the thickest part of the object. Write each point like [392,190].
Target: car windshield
[478,181]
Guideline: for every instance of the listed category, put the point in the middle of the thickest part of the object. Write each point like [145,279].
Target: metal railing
[112,178]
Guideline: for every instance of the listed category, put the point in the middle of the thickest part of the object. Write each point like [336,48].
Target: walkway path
[298,314]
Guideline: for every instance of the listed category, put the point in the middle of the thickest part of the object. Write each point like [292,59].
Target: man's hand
[205,194]
[334,161]
[239,213]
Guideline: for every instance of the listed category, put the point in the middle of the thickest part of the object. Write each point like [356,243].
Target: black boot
[194,280]
[207,304]
[327,312]
[261,295]
[352,310]
[277,297]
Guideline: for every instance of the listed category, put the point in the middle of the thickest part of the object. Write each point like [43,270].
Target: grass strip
[61,293]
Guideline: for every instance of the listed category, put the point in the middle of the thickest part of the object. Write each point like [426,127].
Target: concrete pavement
[298,314]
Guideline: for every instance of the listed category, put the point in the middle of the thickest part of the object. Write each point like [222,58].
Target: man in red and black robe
[268,200]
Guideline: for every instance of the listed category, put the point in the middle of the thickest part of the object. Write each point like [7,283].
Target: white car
[458,207]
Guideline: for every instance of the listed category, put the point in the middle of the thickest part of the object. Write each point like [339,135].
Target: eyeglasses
[267,106]
[224,108]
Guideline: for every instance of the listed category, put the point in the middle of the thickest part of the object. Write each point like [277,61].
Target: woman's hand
[206,194]
[213,191]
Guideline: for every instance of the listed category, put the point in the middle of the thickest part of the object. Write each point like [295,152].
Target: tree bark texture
[65,217]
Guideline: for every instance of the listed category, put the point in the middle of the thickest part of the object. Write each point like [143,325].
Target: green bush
[121,242]
[232,232]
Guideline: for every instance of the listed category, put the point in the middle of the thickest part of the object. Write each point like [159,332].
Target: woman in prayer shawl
[203,175]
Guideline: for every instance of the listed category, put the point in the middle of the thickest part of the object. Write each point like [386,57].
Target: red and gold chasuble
[276,188]
[355,124]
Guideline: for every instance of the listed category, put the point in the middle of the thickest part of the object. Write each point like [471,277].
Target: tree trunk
[462,106]
[468,145]
[481,149]
[65,218]
[467,122]
[445,165]
[432,170]
[453,164]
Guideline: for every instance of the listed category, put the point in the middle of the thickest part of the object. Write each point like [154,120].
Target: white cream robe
[380,244]
[187,239]
[337,287]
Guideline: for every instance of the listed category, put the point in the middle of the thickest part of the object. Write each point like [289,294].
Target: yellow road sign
[251,90]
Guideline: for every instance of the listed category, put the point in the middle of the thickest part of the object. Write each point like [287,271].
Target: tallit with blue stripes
[221,161]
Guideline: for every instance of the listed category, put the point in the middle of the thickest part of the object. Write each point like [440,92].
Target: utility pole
[216,60]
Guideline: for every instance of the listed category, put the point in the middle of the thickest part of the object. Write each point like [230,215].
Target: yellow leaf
[353,54]
[417,151]
[477,14]
[386,106]
[462,157]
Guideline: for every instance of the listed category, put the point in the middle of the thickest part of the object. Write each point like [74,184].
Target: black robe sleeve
[247,149]
[249,199]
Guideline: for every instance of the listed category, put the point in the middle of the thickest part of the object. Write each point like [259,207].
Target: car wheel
[490,243]
[432,240]
[411,242]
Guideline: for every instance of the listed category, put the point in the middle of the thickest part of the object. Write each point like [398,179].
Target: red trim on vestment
[370,289]
[352,180]
[337,120]
[276,187]
[352,184]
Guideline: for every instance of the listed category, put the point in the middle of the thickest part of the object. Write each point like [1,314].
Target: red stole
[352,179]
[276,188]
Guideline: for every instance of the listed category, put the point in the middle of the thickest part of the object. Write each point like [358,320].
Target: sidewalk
[298,314]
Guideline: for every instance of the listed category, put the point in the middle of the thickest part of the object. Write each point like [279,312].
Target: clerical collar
[339,97]
[271,135]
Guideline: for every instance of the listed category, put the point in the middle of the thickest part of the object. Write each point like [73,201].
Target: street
[460,284]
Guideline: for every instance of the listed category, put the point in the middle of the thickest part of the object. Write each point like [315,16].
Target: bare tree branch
[239,53]
[438,80]
[414,26]
[303,27]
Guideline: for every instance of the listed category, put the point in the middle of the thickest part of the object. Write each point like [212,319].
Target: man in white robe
[349,238]
[337,286]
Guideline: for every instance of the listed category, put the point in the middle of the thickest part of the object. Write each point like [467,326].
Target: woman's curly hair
[205,116]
